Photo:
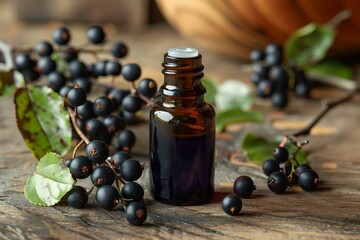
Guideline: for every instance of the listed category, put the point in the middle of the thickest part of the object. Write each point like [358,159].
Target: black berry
[76,97]
[102,106]
[300,169]
[132,191]
[61,36]
[231,205]
[94,128]
[130,170]
[97,151]
[85,111]
[308,180]
[81,167]
[112,68]
[136,213]
[46,65]
[119,49]
[24,62]
[96,34]
[56,81]
[147,87]
[280,154]
[244,186]
[107,197]
[44,48]
[126,140]
[77,197]
[120,157]
[132,103]
[270,166]
[114,124]
[131,72]
[277,182]
[77,69]
[102,175]
[84,83]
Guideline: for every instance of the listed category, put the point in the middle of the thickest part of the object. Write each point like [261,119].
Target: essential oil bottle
[182,133]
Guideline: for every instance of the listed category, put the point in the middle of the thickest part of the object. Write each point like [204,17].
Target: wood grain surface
[332,212]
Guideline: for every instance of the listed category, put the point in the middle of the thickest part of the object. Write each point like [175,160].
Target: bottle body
[182,136]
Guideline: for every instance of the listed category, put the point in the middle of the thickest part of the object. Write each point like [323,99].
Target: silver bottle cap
[183,52]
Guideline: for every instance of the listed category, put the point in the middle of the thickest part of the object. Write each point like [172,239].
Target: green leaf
[224,118]
[258,149]
[211,90]
[51,181]
[233,93]
[333,68]
[309,44]
[7,86]
[42,120]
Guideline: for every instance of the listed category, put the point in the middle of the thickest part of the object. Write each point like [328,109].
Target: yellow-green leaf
[236,115]
[42,120]
[50,182]
[258,149]
[309,44]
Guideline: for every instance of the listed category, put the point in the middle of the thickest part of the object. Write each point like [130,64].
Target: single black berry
[130,170]
[84,83]
[94,128]
[131,72]
[85,111]
[279,99]
[129,118]
[107,197]
[81,167]
[44,48]
[280,154]
[102,106]
[117,95]
[261,70]
[255,78]
[132,191]
[96,34]
[69,54]
[273,49]
[56,81]
[112,68]
[64,91]
[119,49]
[308,180]
[77,69]
[102,175]
[147,87]
[231,204]
[278,74]
[270,166]
[132,103]
[301,168]
[77,197]
[31,75]
[114,124]
[46,65]
[61,36]
[243,186]
[76,97]
[136,213]
[126,140]
[24,62]
[277,182]
[264,89]
[97,151]
[100,68]
[257,55]
[120,157]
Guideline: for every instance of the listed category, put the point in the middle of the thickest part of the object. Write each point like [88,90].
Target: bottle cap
[183,52]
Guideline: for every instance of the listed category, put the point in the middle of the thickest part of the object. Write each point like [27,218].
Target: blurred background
[224,31]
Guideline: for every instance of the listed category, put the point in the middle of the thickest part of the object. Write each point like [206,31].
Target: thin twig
[339,18]
[325,109]
[77,129]
[77,148]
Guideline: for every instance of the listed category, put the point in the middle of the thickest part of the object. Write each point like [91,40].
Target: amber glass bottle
[182,133]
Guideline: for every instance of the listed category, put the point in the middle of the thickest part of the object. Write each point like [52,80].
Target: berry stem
[328,105]
[339,18]
[90,190]
[73,120]
[77,148]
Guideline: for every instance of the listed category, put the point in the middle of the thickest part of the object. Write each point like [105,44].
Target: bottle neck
[182,78]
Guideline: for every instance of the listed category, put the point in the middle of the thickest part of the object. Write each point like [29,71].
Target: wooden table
[331,212]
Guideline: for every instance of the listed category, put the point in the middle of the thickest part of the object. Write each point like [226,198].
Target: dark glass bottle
[182,133]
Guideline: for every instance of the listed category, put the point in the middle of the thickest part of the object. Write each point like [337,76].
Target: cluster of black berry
[104,171]
[283,171]
[107,115]
[243,187]
[98,123]
[274,78]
